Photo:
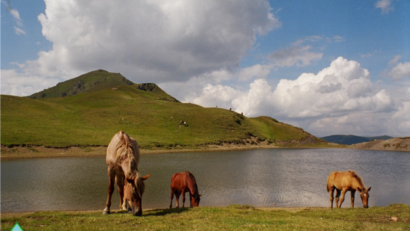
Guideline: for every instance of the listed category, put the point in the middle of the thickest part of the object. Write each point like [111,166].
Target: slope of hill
[394,144]
[351,139]
[108,103]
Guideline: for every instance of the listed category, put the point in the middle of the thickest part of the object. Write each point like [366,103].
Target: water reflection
[256,177]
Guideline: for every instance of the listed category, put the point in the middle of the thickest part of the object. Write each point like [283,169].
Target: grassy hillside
[144,111]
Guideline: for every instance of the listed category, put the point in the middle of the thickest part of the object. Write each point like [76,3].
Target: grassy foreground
[234,217]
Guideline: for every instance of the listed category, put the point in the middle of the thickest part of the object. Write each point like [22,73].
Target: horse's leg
[352,197]
[337,197]
[177,194]
[120,183]
[331,192]
[172,197]
[111,177]
[183,198]
[190,197]
[343,197]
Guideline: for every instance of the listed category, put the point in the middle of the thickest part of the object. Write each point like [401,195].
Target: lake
[262,178]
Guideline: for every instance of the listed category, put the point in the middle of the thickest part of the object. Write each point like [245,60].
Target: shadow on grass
[155,212]
[163,212]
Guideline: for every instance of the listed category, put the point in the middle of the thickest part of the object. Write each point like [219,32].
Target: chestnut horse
[346,181]
[122,160]
[181,183]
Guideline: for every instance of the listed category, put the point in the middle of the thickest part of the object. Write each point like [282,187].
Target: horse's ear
[369,188]
[146,177]
[359,189]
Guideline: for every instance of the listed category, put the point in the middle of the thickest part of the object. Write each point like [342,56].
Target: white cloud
[149,41]
[394,60]
[14,83]
[194,91]
[384,6]
[13,13]
[296,54]
[16,16]
[338,99]
[400,71]
[19,31]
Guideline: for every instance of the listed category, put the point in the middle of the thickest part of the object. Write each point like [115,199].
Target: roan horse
[181,183]
[346,181]
[122,159]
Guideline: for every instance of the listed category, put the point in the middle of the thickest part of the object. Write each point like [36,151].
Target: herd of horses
[123,156]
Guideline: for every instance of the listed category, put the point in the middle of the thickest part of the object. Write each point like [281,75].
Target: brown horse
[346,181]
[181,183]
[122,159]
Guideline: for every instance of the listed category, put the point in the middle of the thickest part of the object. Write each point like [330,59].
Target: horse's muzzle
[138,213]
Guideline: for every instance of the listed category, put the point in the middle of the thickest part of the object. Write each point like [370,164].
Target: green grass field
[234,217]
[151,116]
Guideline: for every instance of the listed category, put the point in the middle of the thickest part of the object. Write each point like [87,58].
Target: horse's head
[364,195]
[133,190]
[195,199]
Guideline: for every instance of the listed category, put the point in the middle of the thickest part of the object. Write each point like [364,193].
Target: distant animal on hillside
[180,184]
[346,181]
[122,159]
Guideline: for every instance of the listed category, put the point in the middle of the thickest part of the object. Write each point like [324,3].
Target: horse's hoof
[106,212]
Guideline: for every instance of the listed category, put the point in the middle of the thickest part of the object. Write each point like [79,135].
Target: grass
[151,117]
[235,217]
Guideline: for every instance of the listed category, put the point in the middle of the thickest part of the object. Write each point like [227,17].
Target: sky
[328,67]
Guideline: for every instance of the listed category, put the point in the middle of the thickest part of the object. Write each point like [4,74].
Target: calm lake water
[286,177]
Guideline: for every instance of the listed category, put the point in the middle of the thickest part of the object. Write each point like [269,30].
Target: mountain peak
[89,82]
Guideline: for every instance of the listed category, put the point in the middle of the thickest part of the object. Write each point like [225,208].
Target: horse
[181,183]
[347,181]
[122,159]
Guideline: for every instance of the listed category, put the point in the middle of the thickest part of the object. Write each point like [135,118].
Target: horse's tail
[329,182]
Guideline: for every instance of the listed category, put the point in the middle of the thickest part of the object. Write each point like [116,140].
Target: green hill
[91,112]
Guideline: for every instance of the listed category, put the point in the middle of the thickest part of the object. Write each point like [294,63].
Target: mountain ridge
[353,139]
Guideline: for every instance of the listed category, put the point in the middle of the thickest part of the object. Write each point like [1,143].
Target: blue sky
[329,67]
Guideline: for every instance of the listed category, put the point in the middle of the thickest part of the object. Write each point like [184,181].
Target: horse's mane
[140,185]
[193,181]
[359,179]
[125,150]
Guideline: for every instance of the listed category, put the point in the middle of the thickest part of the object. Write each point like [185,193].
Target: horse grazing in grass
[122,160]
[346,181]
[181,183]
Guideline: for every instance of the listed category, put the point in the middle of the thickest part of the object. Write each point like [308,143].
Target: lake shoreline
[24,152]
[20,152]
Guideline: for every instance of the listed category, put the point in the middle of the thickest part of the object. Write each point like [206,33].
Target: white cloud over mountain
[147,41]
[340,97]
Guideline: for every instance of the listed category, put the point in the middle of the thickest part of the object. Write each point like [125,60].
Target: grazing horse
[122,160]
[346,181]
[181,183]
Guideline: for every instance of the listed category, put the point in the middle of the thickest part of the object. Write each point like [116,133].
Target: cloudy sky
[329,67]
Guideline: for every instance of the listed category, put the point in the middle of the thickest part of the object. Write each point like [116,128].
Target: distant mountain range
[351,139]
